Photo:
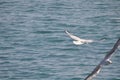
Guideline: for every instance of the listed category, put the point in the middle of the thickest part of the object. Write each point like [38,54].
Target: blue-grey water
[34,46]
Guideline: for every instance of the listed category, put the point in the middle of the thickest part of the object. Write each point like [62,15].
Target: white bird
[105,61]
[77,40]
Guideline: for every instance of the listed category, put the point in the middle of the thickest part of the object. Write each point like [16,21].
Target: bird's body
[78,42]
[105,61]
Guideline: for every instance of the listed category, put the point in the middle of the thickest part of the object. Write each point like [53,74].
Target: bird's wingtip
[119,38]
[66,31]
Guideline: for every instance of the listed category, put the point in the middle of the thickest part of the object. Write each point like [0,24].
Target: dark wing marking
[94,72]
[98,68]
[113,49]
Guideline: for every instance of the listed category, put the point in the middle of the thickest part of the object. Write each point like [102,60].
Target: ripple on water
[34,46]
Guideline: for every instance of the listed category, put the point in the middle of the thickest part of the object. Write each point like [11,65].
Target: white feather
[77,40]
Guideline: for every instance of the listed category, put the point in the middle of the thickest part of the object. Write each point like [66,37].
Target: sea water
[34,45]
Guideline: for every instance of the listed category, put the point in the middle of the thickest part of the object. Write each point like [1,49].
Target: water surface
[34,46]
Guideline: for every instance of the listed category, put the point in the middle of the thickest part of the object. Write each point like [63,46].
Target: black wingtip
[116,44]
[118,41]
[119,38]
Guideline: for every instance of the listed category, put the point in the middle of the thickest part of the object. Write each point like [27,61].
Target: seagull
[105,61]
[77,40]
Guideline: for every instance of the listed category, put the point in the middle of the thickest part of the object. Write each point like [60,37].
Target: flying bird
[105,61]
[77,40]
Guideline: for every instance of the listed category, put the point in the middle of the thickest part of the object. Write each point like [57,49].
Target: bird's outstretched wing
[94,72]
[113,49]
[98,68]
[73,36]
